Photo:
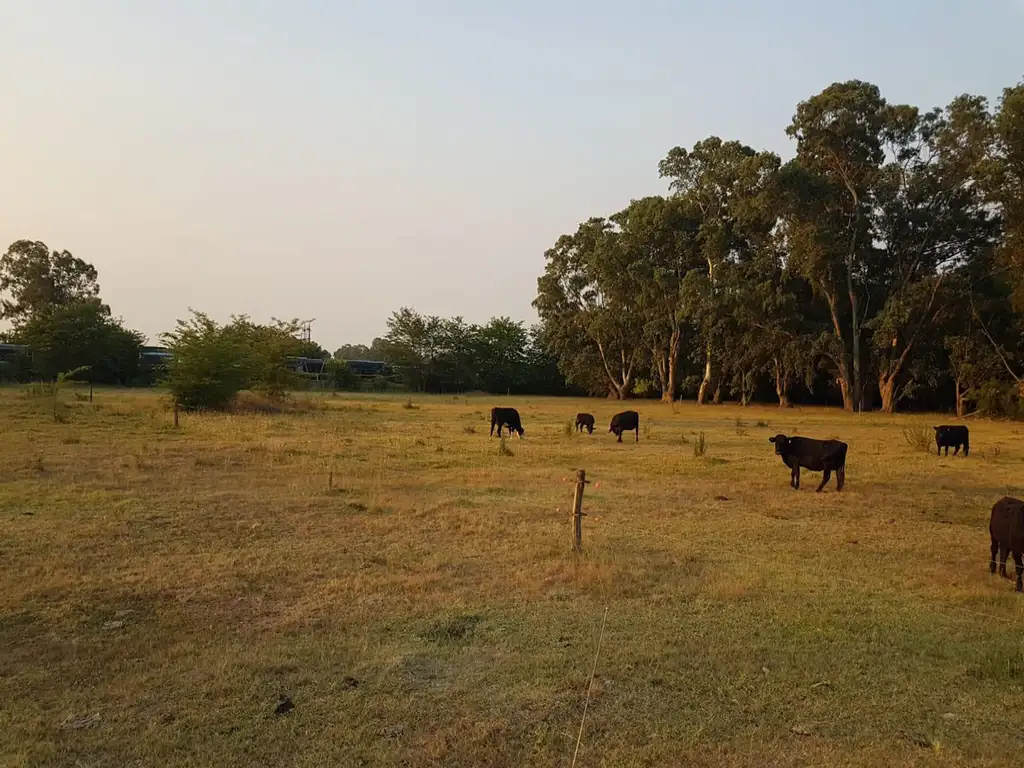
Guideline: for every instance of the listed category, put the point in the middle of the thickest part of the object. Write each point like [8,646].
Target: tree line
[883,265]
[886,259]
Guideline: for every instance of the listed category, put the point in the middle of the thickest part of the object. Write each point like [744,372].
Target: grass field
[412,590]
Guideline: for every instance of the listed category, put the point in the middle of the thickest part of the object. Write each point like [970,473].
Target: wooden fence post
[577,510]
[90,390]
[175,414]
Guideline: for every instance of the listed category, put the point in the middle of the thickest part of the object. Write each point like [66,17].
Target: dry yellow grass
[414,592]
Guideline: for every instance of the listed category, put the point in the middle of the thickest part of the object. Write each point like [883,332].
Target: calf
[585,420]
[951,436]
[816,455]
[625,421]
[1006,527]
[509,417]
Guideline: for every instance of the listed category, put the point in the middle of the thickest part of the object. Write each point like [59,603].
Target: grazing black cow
[1006,526]
[502,417]
[816,455]
[625,421]
[585,420]
[952,437]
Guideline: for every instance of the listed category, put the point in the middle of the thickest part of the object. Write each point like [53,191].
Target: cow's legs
[840,478]
[796,478]
[825,477]
[967,449]
[638,433]
[1019,562]
[1003,552]
[619,435]
[995,551]
[956,449]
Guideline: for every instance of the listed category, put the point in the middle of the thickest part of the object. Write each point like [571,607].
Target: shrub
[343,377]
[700,446]
[919,438]
[1000,400]
[211,364]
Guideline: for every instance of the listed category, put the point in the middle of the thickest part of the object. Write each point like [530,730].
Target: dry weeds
[412,591]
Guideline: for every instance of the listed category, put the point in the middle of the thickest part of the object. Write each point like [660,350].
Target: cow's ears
[771,439]
[936,429]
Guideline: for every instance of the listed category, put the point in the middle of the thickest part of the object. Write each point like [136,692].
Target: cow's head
[781,443]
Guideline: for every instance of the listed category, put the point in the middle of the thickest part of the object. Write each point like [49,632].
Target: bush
[211,364]
[343,377]
[919,438]
[1000,400]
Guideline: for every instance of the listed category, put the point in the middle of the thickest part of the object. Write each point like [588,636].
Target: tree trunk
[843,361]
[668,388]
[887,388]
[717,400]
[844,387]
[706,382]
[668,392]
[781,385]
[960,405]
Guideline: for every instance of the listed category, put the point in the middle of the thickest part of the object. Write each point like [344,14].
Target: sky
[340,160]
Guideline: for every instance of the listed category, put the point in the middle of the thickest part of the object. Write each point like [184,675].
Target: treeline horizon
[881,267]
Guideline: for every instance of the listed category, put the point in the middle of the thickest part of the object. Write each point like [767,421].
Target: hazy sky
[338,160]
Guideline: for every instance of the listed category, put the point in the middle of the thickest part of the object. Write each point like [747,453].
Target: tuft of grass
[992,453]
[568,428]
[648,428]
[741,426]
[700,446]
[503,449]
[469,429]
[409,405]
[762,424]
[452,630]
[919,438]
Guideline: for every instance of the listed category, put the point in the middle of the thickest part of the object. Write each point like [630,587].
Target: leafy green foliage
[211,363]
[33,279]
[67,336]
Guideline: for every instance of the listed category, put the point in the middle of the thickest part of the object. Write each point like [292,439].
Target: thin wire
[590,685]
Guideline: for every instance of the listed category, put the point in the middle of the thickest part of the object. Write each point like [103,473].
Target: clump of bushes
[211,363]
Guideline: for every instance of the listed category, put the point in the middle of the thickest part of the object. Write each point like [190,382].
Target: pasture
[411,588]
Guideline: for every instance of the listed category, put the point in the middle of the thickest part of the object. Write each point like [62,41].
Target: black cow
[952,437]
[585,420]
[625,421]
[1006,526]
[816,455]
[509,417]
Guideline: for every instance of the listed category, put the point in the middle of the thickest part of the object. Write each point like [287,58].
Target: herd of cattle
[1006,524]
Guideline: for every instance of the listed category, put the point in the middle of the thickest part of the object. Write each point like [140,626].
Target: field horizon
[409,585]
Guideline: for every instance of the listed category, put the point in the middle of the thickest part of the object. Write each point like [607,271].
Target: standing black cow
[625,421]
[816,455]
[953,437]
[585,420]
[509,417]
[1006,527]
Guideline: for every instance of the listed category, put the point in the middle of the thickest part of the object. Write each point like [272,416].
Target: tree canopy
[883,262]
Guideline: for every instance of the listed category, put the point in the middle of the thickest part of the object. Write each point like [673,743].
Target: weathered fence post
[90,390]
[175,414]
[577,510]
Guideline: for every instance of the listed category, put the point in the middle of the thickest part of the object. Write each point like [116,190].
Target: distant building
[369,368]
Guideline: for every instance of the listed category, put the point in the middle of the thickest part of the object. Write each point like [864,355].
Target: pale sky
[338,160]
